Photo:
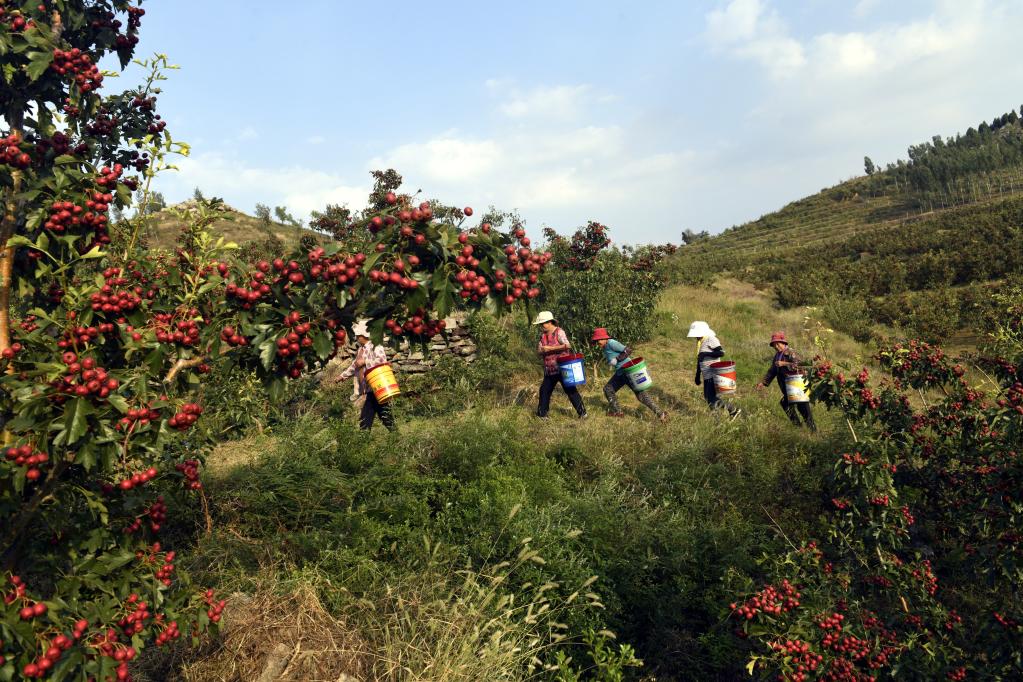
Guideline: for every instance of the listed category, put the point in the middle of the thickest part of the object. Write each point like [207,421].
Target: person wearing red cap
[617,354]
[786,362]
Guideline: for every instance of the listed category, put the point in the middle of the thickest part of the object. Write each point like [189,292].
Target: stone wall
[410,358]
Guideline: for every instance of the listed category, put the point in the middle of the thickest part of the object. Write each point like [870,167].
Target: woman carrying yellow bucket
[785,366]
[371,360]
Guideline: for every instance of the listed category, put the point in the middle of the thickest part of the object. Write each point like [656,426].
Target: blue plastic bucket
[573,371]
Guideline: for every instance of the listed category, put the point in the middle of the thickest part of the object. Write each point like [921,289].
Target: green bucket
[637,375]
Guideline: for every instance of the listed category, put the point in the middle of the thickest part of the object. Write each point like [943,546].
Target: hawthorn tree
[104,348]
[917,571]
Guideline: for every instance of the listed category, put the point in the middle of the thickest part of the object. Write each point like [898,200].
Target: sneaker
[663,417]
[735,415]
[584,416]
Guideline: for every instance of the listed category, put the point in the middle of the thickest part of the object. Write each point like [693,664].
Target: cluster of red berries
[112,299]
[340,335]
[800,656]
[907,515]
[42,665]
[11,154]
[183,332]
[956,674]
[165,561]
[869,400]
[417,325]
[840,503]
[136,480]
[134,621]
[137,418]
[190,470]
[108,176]
[185,417]
[1005,621]
[15,20]
[157,513]
[108,646]
[12,351]
[854,458]
[82,336]
[18,591]
[32,610]
[84,379]
[232,337]
[880,500]
[169,633]
[79,64]
[771,600]
[397,276]
[27,456]
[215,607]
[925,575]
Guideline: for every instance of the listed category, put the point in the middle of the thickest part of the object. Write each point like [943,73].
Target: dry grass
[287,637]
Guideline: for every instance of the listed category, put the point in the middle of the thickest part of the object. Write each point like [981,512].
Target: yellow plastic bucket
[795,388]
[382,382]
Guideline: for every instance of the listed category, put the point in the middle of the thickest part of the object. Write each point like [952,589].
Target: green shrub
[609,294]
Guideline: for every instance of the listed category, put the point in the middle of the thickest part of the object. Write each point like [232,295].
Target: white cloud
[562,102]
[748,29]
[315,139]
[300,189]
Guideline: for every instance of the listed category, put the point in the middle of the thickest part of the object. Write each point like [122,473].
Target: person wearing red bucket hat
[617,355]
[785,363]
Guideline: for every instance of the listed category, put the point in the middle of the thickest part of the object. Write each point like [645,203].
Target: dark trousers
[547,388]
[710,394]
[619,381]
[372,408]
[803,409]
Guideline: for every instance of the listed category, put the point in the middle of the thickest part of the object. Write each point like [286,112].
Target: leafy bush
[610,293]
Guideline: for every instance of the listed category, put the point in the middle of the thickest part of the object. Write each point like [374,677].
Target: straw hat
[361,328]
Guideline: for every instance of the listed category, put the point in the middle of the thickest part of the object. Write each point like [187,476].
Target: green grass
[409,547]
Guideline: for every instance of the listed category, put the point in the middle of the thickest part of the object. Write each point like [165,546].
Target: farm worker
[553,343]
[709,350]
[367,357]
[786,362]
[617,354]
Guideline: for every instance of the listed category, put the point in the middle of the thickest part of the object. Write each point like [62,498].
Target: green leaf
[322,344]
[267,351]
[94,252]
[38,63]
[118,402]
[76,420]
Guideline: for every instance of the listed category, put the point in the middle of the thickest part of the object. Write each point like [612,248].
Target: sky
[652,119]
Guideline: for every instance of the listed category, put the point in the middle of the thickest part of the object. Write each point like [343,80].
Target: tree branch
[183,363]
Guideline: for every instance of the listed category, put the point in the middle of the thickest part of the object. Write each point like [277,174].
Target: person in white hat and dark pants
[554,343]
[367,357]
[710,350]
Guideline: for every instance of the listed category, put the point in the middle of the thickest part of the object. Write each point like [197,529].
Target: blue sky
[651,119]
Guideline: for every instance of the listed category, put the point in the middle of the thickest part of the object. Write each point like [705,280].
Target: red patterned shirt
[558,337]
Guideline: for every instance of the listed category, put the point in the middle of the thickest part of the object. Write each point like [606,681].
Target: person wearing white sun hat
[553,343]
[707,353]
[367,357]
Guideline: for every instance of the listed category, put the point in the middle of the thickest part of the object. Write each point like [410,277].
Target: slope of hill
[917,245]
[163,228]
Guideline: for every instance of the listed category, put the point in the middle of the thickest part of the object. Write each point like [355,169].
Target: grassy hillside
[163,228]
[916,246]
[376,555]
